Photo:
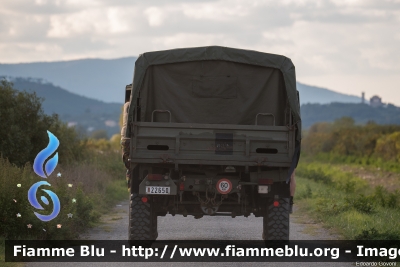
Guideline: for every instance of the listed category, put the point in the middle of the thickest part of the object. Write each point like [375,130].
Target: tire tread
[276,220]
[142,221]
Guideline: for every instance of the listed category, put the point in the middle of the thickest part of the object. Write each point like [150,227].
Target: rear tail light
[181,186]
[155,177]
[145,199]
[265,181]
[276,203]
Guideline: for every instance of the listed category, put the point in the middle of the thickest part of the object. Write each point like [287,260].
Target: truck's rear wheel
[276,220]
[142,220]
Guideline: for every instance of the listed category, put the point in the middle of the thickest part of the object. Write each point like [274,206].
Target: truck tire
[142,220]
[276,220]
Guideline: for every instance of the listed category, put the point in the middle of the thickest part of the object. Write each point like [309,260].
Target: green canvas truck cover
[215,85]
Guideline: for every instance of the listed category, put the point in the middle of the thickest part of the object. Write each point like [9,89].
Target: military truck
[211,131]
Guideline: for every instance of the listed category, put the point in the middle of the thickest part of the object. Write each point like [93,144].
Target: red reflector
[145,199]
[276,203]
[181,186]
[155,177]
[265,181]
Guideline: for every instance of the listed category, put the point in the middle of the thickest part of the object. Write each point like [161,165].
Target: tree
[99,134]
[23,130]
[344,122]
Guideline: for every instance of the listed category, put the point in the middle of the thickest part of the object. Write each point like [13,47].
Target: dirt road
[115,227]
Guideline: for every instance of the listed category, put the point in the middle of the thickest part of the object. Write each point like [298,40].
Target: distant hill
[99,79]
[60,101]
[106,79]
[361,113]
[88,114]
[312,94]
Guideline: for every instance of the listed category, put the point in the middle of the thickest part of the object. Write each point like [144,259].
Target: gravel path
[114,226]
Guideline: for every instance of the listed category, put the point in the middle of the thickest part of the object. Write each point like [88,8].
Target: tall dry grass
[97,183]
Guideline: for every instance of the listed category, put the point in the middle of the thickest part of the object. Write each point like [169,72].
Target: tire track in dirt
[114,226]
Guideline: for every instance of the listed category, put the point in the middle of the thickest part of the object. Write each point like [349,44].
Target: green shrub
[91,199]
[94,169]
[305,193]
[384,198]
[26,132]
[326,206]
[13,227]
[369,214]
[342,141]
[388,147]
[374,234]
[348,186]
[392,200]
[361,203]
[314,174]
[308,193]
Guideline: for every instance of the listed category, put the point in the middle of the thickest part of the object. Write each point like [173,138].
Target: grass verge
[347,203]
[369,163]
[87,190]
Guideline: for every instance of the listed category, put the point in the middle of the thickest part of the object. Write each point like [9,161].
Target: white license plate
[157,190]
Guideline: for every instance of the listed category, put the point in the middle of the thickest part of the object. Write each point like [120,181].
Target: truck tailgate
[212,144]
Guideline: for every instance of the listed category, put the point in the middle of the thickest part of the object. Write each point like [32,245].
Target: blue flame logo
[44,154]
[45,170]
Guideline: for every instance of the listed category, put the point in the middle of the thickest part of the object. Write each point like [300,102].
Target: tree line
[344,138]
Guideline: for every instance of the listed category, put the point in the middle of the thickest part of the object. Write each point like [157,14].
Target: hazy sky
[349,46]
